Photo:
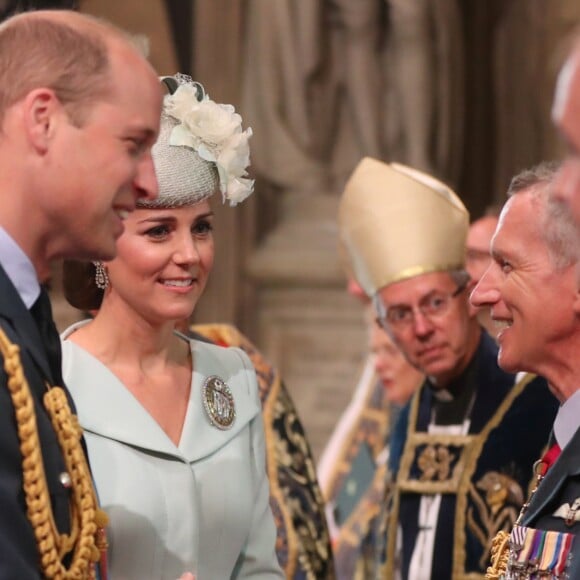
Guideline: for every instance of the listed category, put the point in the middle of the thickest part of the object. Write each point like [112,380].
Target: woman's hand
[187,576]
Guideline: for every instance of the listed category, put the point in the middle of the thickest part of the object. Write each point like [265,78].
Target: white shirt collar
[19,269]
[567,420]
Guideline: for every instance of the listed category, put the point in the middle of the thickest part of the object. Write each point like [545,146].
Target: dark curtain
[9,7]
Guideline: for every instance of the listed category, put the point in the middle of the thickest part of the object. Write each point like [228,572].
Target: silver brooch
[218,402]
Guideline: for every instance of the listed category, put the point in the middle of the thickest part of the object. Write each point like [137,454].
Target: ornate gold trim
[404,467]
[342,464]
[459,556]
[87,519]
[472,452]
[364,511]
[451,484]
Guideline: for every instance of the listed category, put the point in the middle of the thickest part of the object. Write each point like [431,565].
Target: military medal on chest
[538,554]
[534,554]
[218,402]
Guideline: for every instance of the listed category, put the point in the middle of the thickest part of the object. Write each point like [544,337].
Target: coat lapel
[200,437]
[567,465]
[106,408]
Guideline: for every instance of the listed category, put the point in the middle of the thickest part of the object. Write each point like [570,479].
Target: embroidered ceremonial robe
[352,475]
[482,475]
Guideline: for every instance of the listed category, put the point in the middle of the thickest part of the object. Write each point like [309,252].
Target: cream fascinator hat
[201,148]
[396,223]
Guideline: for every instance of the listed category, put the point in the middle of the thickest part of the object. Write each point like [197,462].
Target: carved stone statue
[326,83]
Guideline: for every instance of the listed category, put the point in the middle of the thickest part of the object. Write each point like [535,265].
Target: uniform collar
[19,269]
[567,420]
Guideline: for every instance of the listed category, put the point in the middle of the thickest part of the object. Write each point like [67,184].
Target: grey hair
[557,225]
[533,177]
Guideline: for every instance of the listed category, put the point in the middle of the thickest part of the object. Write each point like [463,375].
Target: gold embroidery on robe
[492,509]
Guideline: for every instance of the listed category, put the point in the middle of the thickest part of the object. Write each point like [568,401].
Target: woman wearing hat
[173,425]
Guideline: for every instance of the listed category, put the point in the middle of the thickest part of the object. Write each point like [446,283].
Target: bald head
[61,50]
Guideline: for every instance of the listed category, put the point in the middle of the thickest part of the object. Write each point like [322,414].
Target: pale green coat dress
[201,506]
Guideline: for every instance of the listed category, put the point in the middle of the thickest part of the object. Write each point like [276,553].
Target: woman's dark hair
[79,285]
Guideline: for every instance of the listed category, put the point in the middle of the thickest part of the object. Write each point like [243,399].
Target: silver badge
[569,512]
[218,402]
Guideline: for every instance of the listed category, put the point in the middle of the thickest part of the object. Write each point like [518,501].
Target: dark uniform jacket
[18,549]
[548,512]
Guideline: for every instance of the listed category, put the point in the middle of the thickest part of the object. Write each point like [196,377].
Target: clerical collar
[443,395]
[456,386]
[452,404]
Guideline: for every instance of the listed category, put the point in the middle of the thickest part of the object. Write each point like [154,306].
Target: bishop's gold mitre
[396,222]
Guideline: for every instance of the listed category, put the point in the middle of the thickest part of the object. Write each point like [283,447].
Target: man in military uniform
[531,288]
[462,453]
[79,112]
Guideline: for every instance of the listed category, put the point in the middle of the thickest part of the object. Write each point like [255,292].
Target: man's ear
[41,108]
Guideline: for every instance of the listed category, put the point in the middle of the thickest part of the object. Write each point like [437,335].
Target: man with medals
[462,452]
[532,286]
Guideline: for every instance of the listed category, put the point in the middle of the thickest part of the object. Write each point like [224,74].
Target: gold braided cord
[500,551]
[500,548]
[86,517]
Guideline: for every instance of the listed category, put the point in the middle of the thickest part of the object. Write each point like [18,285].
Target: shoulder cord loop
[87,519]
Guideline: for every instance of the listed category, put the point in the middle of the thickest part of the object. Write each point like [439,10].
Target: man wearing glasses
[462,453]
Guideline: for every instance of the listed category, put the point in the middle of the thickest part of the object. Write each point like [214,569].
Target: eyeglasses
[432,306]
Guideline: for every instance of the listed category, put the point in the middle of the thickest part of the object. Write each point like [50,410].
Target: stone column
[216,58]
[306,323]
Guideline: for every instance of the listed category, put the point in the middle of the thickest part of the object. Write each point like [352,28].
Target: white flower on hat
[214,131]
